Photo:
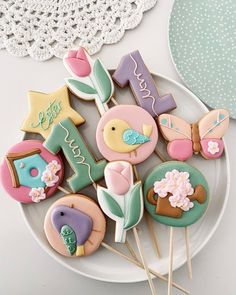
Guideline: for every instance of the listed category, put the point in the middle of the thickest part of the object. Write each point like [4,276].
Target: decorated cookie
[126,132]
[176,194]
[29,173]
[47,109]
[75,226]
[133,71]
[203,137]
[90,80]
[66,137]
[122,200]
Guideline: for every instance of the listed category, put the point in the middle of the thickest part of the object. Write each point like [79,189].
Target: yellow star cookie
[47,109]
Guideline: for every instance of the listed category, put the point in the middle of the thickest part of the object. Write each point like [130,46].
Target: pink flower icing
[53,167]
[178,184]
[37,194]
[49,178]
[119,177]
[78,62]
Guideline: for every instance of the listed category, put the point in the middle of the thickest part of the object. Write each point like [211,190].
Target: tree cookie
[75,226]
[176,194]
[30,173]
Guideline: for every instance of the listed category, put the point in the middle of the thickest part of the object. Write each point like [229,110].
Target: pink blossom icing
[119,177]
[37,194]
[178,184]
[49,178]
[53,166]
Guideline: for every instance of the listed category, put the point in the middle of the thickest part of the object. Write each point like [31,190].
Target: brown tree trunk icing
[196,139]
[199,194]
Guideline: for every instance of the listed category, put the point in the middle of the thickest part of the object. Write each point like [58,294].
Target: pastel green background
[202,37]
[196,177]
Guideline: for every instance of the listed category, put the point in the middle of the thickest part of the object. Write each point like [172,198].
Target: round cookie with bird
[176,194]
[75,226]
[127,133]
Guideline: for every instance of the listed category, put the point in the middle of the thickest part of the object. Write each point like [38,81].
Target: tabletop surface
[24,267]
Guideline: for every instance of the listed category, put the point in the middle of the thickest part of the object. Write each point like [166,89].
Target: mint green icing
[66,136]
[69,239]
[113,206]
[103,80]
[134,206]
[196,177]
[82,87]
[25,165]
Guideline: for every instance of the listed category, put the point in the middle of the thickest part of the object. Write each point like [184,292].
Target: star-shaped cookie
[47,109]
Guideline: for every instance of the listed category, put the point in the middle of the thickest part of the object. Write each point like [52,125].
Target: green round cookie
[162,211]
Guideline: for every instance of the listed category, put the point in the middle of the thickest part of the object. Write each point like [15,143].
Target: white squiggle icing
[214,126]
[74,148]
[143,88]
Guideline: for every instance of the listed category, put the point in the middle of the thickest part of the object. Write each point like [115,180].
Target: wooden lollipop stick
[170,261]
[189,264]
[131,250]
[152,234]
[160,156]
[149,222]
[62,189]
[140,249]
[114,101]
[139,264]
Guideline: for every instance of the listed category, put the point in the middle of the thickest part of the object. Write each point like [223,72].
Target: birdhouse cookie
[176,194]
[75,226]
[128,133]
[30,173]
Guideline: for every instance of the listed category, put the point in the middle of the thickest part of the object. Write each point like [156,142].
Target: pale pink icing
[205,148]
[49,178]
[178,185]
[37,194]
[119,177]
[136,117]
[180,149]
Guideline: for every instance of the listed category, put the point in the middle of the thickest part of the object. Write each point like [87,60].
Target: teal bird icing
[131,137]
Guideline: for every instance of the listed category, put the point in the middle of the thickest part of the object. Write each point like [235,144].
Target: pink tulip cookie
[90,80]
[122,200]
[75,226]
[29,173]
[128,133]
[203,137]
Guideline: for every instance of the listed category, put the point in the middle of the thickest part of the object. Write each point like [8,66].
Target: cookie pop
[176,195]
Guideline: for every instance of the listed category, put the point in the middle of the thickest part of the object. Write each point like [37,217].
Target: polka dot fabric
[202,36]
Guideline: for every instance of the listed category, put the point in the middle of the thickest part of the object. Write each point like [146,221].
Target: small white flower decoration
[213,147]
[49,178]
[53,167]
[37,194]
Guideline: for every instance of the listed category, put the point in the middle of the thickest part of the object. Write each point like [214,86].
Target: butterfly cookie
[203,137]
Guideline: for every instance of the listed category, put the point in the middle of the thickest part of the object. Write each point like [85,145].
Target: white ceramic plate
[106,266]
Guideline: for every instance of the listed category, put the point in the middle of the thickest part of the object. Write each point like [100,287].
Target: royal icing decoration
[133,71]
[122,200]
[29,173]
[75,226]
[176,194]
[86,169]
[203,137]
[91,79]
[47,110]
[126,132]
[213,147]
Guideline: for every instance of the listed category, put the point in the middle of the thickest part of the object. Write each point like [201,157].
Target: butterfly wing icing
[178,133]
[212,127]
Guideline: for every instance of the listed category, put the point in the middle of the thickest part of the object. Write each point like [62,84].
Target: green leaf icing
[82,87]
[69,239]
[134,206]
[103,80]
[113,206]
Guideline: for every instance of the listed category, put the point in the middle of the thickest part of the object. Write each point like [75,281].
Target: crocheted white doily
[43,28]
